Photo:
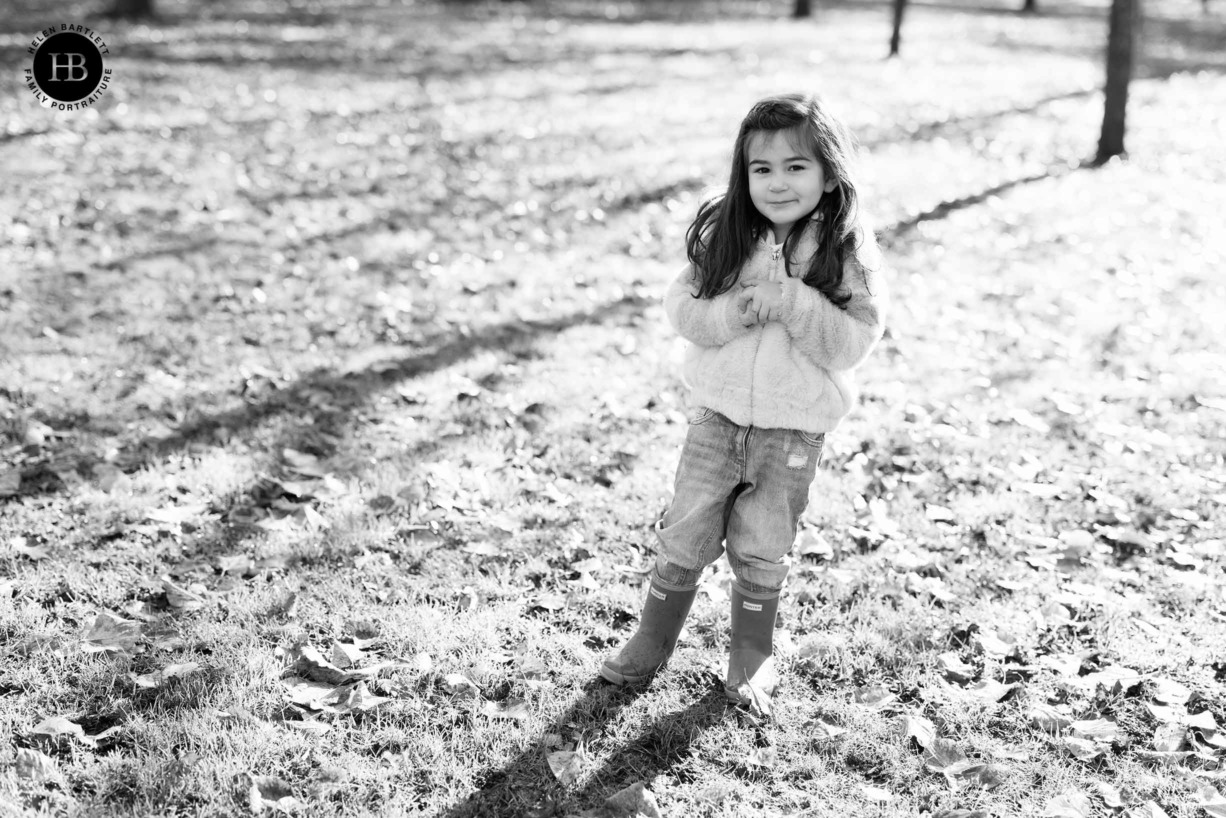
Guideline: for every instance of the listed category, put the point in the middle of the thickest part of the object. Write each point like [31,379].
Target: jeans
[742,486]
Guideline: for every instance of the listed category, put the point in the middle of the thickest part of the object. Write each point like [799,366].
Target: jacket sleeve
[708,322]
[837,338]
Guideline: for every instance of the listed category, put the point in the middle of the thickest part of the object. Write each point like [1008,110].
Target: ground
[337,403]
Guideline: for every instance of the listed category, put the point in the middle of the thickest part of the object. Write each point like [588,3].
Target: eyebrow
[789,159]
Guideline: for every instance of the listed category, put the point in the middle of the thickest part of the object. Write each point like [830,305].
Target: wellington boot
[751,676]
[664,614]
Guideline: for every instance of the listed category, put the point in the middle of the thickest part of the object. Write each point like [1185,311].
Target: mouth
[781,204]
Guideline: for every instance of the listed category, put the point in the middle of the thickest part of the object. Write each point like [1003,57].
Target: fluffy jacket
[796,373]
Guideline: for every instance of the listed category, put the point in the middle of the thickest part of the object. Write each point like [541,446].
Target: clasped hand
[760,301]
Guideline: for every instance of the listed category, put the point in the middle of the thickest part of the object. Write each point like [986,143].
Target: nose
[778,185]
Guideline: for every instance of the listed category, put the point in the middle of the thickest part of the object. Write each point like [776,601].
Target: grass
[423,248]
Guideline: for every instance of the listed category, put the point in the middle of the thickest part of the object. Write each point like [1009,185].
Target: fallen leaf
[1096,729]
[941,754]
[990,690]
[921,729]
[1110,795]
[344,656]
[58,726]
[176,515]
[313,695]
[358,699]
[421,663]
[1070,804]
[876,794]
[513,708]
[1149,809]
[312,727]
[183,599]
[635,801]
[302,463]
[1082,749]
[270,792]
[939,514]
[874,696]
[821,730]
[988,776]
[309,663]
[566,765]
[483,549]
[461,687]
[110,634]
[551,602]
[10,482]
[1211,801]
[1167,715]
[34,766]
[955,669]
[1169,738]
[159,677]
[1048,719]
[30,552]
[762,757]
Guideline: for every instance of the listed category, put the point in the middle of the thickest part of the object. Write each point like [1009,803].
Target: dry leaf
[483,549]
[635,801]
[567,766]
[271,793]
[358,699]
[1096,729]
[822,730]
[344,656]
[58,726]
[34,766]
[1082,749]
[309,663]
[461,687]
[1170,692]
[876,794]
[942,753]
[875,696]
[514,708]
[111,634]
[159,677]
[1149,809]
[1110,795]
[919,728]
[954,668]
[302,463]
[1048,719]
[31,552]
[762,757]
[183,599]
[1070,804]
[1169,738]
[990,690]
[313,695]
[1211,801]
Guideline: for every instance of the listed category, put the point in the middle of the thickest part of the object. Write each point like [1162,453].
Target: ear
[830,185]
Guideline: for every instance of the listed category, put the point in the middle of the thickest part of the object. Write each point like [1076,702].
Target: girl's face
[785,182]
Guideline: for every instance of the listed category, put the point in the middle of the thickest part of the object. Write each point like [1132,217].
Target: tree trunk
[896,38]
[1030,6]
[802,9]
[132,9]
[1121,36]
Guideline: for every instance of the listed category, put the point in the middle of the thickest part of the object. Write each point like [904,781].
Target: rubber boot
[647,651]
[751,676]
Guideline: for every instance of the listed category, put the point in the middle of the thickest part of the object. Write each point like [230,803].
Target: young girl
[782,300]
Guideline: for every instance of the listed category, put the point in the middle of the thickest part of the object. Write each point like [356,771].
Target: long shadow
[348,390]
[900,229]
[526,785]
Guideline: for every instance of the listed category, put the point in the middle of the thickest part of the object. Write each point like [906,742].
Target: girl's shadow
[526,787]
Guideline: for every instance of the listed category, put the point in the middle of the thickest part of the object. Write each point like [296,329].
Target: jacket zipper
[753,365]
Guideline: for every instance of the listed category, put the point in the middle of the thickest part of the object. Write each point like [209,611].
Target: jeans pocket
[702,416]
[814,441]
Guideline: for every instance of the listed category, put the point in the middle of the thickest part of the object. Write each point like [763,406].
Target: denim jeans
[742,486]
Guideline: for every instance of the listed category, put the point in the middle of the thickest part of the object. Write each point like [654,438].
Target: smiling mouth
[780,204]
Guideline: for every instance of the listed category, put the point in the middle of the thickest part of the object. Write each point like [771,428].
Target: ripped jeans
[742,486]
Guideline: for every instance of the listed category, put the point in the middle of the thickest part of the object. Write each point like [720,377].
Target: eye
[797,167]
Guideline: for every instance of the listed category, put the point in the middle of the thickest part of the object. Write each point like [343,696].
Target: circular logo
[67,71]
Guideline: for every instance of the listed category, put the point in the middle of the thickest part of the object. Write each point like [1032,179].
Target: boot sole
[609,674]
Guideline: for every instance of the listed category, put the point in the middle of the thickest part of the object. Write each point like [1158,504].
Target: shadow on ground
[526,786]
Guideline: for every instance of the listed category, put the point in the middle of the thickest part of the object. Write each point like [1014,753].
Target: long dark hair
[724,232]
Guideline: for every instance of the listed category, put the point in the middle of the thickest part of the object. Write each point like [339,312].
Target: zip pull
[775,251]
